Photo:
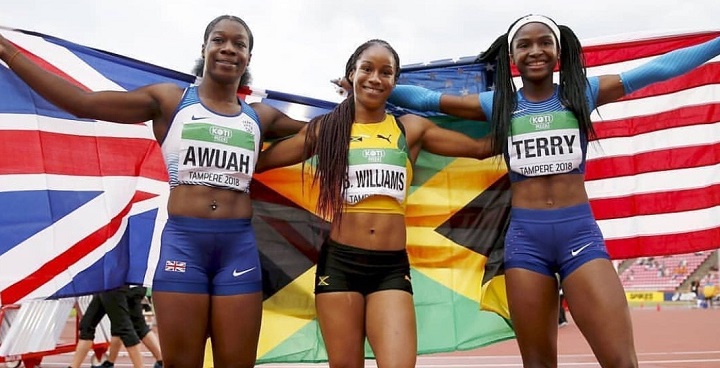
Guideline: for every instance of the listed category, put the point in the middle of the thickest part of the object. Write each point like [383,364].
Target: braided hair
[328,138]
[573,83]
[199,67]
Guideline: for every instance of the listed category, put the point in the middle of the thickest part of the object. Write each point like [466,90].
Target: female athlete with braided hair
[542,131]
[362,284]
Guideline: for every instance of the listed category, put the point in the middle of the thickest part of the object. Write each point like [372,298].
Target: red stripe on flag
[659,245]
[661,160]
[62,262]
[624,51]
[684,116]
[611,53]
[656,203]
[37,152]
[142,196]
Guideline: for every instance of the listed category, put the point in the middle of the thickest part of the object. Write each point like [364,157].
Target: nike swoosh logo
[577,251]
[237,273]
[198,117]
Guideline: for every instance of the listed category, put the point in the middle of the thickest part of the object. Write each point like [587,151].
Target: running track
[677,337]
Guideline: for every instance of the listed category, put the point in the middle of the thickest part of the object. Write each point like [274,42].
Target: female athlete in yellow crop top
[364,169]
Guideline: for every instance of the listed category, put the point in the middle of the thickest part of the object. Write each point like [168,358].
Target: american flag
[653,176]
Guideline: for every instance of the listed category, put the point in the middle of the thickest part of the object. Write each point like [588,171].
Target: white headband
[533,19]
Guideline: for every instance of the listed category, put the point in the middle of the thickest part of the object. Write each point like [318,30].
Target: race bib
[545,144]
[375,172]
[217,156]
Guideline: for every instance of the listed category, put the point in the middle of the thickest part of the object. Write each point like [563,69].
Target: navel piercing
[213,206]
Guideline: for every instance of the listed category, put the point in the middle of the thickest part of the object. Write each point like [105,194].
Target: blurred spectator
[711,291]
[695,289]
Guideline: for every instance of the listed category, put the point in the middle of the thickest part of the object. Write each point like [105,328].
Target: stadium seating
[664,273]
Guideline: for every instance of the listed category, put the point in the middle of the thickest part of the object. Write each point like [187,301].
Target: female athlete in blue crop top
[217,289]
[542,130]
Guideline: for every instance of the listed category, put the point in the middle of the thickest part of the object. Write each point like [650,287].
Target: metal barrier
[31,330]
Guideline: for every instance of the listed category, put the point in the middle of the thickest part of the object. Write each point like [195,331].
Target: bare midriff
[549,192]
[370,231]
[208,202]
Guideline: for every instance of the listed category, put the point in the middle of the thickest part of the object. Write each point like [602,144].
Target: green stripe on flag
[446,320]
[429,164]
[305,345]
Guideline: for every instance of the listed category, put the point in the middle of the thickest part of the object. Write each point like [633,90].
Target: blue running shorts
[208,256]
[553,241]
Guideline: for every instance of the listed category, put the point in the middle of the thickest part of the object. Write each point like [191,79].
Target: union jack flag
[82,203]
[175,266]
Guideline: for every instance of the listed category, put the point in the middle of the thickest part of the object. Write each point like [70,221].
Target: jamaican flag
[457,215]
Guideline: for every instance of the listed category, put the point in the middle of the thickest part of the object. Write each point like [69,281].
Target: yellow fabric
[377,204]
[432,203]
[710,291]
[383,135]
[493,297]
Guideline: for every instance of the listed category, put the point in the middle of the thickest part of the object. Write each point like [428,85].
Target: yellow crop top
[379,168]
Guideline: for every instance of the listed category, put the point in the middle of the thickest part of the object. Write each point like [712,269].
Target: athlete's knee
[141,329]
[349,358]
[129,338]
[397,362]
[540,362]
[345,362]
[86,333]
[142,333]
[539,353]
[244,362]
[181,358]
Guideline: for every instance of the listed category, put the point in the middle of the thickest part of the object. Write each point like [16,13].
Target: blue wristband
[415,97]
[670,65]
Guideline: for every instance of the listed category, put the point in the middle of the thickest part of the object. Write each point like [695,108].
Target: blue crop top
[544,136]
[203,147]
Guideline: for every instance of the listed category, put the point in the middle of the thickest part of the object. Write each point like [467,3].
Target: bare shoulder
[265,112]
[167,95]
[166,90]
[262,108]
[162,93]
[415,122]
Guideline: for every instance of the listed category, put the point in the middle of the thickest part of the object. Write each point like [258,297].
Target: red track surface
[668,338]
[677,337]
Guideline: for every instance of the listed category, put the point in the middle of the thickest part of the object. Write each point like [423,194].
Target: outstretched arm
[670,65]
[275,123]
[423,133]
[423,99]
[286,152]
[123,107]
